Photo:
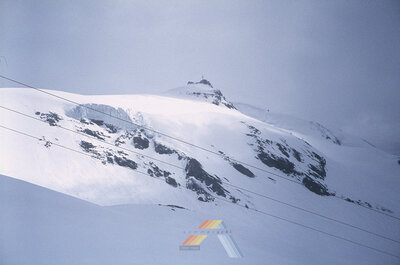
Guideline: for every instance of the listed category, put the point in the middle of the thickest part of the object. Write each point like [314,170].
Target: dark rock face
[140,142]
[125,162]
[315,186]
[281,156]
[87,146]
[285,163]
[283,149]
[155,171]
[98,135]
[205,82]
[90,148]
[239,167]
[174,206]
[195,169]
[244,170]
[47,144]
[204,196]
[318,171]
[109,127]
[139,139]
[120,158]
[233,199]
[51,118]
[171,181]
[98,122]
[220,99]
[123,137]
[162,149]
[296,155]
[280,163]
[215,95]
[110,158]
[202,81]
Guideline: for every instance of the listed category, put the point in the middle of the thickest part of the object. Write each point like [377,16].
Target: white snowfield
[116,217]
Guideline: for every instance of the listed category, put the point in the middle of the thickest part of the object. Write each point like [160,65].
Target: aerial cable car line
[146,128]
[315,229]
[225,200]
[59,145]
[224,182]
[91,137]
[227,183]
[179,140]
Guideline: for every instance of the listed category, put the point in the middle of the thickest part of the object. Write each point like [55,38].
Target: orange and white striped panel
[210,224]
[194,240]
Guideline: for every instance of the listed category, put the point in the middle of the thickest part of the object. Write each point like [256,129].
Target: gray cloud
[337,62]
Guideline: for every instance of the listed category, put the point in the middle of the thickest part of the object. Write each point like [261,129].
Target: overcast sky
[337,62]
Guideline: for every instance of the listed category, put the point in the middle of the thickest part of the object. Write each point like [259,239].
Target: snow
[40,226]
[113,215]
[359,169]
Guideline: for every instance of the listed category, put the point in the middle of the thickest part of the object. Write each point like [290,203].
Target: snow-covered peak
[202,81]
[202,90]
[311,131]
[140,149]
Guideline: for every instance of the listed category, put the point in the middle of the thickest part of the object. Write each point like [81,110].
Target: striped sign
[193,241]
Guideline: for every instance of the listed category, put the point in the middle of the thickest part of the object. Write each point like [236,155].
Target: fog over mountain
[138,131]
[332,61]
[140,168]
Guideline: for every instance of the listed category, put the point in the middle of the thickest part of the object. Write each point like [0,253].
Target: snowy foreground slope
[40,226]
[111,162]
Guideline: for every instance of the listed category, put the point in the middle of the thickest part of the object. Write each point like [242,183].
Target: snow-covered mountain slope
[311,131]
[112,158]
[110,174]
[40,226]
[202,91]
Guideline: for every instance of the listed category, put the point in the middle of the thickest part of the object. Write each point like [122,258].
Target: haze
[336,62]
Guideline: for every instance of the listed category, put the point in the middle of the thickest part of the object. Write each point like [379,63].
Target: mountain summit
[201,90]
[168,162]
[242,151]
[202,81]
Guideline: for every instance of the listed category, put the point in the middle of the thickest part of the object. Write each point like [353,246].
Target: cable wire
[252,209]
[224,182]
[316,230]
[65,147]
[147,128]
[180,140]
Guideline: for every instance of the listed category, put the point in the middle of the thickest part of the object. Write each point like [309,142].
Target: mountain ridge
[268,148]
